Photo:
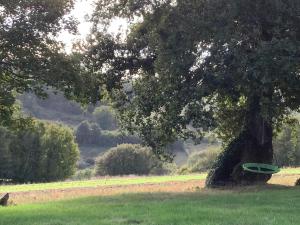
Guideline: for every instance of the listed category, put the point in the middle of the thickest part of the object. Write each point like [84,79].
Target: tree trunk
[4,200]
[253,145]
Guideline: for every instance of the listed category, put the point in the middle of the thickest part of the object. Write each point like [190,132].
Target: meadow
[275,206]
[100,182]
[112,181]
[272,204]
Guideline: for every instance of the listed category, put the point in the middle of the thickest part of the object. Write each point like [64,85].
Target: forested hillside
[96,130]
[95,127]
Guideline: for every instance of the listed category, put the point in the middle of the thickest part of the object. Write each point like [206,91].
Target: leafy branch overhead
[187,67]
[194,63]
[31,57]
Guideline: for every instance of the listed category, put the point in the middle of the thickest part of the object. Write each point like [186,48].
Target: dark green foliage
[127,159]
[32,58]
[28,156]
[85,174]
[6,167]
[88,133]
[197,60]
[192,66]
[43,152]
[106,118]
[62,152]
[202,161]
[287,146]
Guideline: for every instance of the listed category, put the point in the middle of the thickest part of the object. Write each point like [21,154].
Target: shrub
[126,159]
[84,174]
[6,140]
[287,146]
[88,133]
[114,138]
[62,152]
[44,152]
[105,117]
[201,161]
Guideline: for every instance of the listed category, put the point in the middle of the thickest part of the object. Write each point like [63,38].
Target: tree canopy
[186,67]
[192,62]
[31,58]
[40,153]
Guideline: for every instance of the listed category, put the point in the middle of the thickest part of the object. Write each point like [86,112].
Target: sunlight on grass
[110,181]
[290,171]
[101,182]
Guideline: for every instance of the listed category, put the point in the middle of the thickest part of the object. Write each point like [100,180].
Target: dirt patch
[171,187]
[52,195]
[284,179]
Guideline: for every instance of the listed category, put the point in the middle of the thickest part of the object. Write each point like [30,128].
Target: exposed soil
[171,187]
[51,195]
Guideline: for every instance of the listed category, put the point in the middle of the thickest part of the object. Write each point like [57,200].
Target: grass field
[277,206]
[290,171]
[115,181]
[100,182]
[156,203]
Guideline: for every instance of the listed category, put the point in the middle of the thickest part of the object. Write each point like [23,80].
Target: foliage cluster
[84,174]
[105,117]
[43,152]
[90,134]
[127,159]
[205,64]
[201,161]
[31,56]
[287,146]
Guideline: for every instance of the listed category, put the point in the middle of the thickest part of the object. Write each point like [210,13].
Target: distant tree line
[89,133]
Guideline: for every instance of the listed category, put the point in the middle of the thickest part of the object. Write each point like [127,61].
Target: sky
[82,10]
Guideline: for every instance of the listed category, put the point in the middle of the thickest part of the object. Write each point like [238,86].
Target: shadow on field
[270,204]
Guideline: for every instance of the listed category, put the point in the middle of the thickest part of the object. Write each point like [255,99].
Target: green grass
[291,171]
[268,207]
[100,182]
[115,181]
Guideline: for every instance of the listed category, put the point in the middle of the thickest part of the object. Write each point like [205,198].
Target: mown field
[116,181]
[273,204]
[253,207]
[109,181]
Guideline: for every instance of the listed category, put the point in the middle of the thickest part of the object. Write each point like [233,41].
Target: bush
[201,161]
[88,133]
[6,140]
[85,174]
[44,152]
[62,152]
[114,138]
[105,117]
[128,159]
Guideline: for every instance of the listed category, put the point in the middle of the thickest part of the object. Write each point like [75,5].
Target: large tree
[190,66]
[31,58]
